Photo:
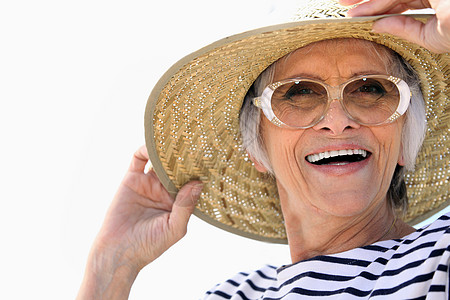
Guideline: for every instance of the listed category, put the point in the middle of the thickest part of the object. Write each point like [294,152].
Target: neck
[313,234]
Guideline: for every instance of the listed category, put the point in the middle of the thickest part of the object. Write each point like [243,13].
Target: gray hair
[413,130]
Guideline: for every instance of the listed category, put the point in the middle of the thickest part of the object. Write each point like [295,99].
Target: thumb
[412,30]
[183,207]
[402,26]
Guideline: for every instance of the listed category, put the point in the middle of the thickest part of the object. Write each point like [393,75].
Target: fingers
[414,31]
[349,2]
[377,7]
[401,26]
[139,160]
[434,35]
[183,207]
[372,8]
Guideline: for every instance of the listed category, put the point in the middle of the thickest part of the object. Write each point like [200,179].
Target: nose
[336,121]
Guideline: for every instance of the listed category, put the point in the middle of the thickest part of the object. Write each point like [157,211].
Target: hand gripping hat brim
[192,123]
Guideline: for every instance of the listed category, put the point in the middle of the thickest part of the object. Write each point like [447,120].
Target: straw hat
[192,121]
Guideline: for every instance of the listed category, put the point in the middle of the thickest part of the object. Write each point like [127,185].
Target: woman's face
[337,188]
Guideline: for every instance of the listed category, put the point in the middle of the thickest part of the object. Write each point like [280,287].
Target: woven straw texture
[192,123]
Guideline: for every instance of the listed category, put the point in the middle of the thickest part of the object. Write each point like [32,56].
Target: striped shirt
[414,267]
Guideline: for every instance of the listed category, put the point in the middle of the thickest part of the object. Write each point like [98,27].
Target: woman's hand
[141,224]
[434,35]
[143,218]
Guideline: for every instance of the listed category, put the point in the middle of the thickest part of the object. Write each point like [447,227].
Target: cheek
[272,137]
[390,147]
[282,144]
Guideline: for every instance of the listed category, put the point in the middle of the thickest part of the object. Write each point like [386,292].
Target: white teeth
[327,154]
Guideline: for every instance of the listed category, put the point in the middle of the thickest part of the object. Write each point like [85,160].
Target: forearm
[107,276]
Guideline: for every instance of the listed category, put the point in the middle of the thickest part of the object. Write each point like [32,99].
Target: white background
[74,81]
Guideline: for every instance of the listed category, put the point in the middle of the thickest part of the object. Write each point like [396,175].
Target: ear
[258,166]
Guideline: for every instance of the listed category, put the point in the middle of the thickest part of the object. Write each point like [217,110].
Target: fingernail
[376,31]
[195,193]
[197,189]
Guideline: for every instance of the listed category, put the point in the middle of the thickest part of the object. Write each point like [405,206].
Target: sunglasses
[301,103]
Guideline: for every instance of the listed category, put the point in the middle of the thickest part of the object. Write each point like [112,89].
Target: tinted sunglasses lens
[300,103]
[371,100]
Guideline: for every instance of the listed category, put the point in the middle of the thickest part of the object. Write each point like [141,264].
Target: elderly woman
[333,114]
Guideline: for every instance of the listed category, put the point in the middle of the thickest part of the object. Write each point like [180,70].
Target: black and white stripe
[414,267]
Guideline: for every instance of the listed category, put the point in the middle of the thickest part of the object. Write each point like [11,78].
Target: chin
[345,204]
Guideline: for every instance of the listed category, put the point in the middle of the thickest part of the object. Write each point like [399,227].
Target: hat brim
[192,124]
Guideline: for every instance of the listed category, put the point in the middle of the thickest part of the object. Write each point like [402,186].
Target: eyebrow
[355,74]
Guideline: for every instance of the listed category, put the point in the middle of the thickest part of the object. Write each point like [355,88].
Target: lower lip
[341,169]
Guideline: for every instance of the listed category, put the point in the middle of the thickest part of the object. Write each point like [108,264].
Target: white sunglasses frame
[264,102]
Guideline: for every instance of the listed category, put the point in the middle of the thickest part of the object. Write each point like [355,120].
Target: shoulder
[432,236]
[438,232]
[245,285]
[435,236]
[432,240]
[406,268]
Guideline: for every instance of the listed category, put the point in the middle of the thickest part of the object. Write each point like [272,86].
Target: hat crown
[315,9]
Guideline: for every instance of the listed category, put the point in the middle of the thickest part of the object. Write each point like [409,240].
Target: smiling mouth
[338,157]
